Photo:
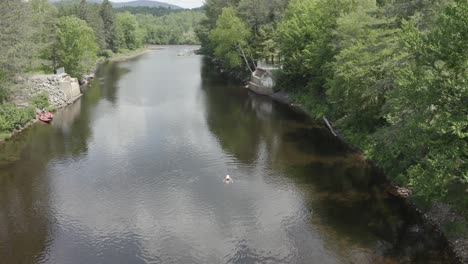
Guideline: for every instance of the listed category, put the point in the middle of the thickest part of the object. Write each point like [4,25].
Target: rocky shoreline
[38,84]
[50,84]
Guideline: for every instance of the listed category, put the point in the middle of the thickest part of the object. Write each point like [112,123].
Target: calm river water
[133,173]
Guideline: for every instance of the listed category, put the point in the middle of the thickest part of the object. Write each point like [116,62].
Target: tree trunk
[245,58]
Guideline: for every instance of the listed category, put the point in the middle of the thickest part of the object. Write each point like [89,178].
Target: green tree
[267,47]
[76,46]
[212,10]
[110,31]
[363,70]
[229,39]
[305,36]
[129,33]
[45,19]
[427,112]
[16,34]
[89,12]
[257,13]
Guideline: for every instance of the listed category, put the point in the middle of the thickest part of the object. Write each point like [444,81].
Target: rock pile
[50,85]
[53,85]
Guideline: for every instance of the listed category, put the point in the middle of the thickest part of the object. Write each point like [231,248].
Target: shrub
[12,117]
[41,100]
[107,53]
[51,108]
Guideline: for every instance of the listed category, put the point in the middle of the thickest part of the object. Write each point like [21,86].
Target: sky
[181,3]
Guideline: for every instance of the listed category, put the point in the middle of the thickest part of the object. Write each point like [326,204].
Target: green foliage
[45,19]
[229,38]
[427,112]
[258,13]
[76,47]
[425,10]
[51,108]
[392,75]
[90,12]
[174,28]
[129,34]
[40,101]
[305,37]
[12,117]
[311,101]
[153,11]
[107,53]
[214,8]
[202,30]
[16,38]
[363,69]
[109,25]
[15,42]
[131,27]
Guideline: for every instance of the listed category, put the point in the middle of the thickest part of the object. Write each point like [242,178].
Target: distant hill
[137,3]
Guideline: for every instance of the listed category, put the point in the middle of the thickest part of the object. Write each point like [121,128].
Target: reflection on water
[132,173]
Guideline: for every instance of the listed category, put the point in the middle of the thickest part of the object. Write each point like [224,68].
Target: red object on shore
[45,117]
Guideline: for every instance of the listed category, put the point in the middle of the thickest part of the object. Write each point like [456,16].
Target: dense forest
[39,37]
[390,74]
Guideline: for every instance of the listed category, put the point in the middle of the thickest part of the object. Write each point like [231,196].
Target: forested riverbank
[114,171]
[390,75]
[38,37]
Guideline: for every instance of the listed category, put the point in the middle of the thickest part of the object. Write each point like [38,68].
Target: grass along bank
[15,118]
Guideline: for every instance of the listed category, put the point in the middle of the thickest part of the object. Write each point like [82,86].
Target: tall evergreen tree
[88,13]
[45,20]
[16,33]
[110,31]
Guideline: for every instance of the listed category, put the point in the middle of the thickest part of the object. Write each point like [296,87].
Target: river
[133,173]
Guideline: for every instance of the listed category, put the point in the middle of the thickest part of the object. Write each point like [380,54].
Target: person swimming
[228,179]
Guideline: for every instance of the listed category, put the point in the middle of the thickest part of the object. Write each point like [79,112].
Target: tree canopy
[229,38]
[76,47]
[392,75]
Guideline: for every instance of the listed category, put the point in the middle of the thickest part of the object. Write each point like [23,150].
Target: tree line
[38,36]
[42,36]
[391,74]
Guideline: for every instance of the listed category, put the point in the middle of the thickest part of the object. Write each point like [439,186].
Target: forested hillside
[164,26]
[136,3]
[39,37]
[391,75]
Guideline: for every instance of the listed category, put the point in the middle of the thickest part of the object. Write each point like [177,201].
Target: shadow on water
[344,195]
[24,190]
[108,76]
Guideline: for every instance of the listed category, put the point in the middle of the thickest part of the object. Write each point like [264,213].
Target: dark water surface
[132,173]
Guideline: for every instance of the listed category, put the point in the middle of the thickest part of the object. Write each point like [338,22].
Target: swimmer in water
[228,179]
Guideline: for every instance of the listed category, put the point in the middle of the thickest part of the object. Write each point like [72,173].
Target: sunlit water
[133,173]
